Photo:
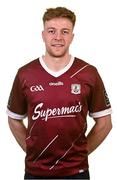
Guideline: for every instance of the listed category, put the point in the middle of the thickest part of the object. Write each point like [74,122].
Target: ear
[43,35]
[72,36]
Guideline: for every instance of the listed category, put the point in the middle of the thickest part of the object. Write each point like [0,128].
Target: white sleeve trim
[101,113]
[15,115]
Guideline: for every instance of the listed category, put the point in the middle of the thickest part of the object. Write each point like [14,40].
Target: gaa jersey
[57,104]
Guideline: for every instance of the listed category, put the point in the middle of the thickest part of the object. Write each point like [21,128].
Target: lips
[57,45]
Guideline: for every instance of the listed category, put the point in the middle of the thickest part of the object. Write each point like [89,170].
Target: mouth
[57,45]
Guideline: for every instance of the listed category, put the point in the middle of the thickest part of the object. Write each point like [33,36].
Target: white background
[20,42]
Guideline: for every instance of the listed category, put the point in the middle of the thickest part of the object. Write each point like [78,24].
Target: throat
[56,64]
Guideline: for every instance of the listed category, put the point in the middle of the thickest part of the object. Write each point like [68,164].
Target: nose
[58,35]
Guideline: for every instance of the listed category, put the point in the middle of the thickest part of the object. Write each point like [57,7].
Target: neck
[56,63]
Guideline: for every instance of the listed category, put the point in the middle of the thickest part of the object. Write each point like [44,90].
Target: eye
[51,31]
[65,32]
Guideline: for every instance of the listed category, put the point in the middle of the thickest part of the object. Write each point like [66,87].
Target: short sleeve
[99,104]
[17,106]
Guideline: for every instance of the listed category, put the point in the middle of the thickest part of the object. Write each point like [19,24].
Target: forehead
[59,23]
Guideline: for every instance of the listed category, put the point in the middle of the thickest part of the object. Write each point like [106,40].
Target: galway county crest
[75,88]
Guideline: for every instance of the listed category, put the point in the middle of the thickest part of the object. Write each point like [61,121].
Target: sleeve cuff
[15,115]
[101,113]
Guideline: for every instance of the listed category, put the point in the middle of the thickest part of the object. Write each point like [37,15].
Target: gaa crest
[76,88]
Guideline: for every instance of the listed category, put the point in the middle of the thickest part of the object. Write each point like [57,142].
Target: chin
[58,55]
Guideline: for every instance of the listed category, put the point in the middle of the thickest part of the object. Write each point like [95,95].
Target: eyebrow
[55,28]
[51,28]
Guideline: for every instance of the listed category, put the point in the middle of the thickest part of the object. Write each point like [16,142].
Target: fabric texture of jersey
[57,109]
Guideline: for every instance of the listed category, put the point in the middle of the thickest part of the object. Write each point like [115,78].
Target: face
[57,36]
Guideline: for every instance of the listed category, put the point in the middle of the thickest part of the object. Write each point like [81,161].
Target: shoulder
[29,67]
[32,64]
[85,71]
[84,66]
[80,62]
[26,71]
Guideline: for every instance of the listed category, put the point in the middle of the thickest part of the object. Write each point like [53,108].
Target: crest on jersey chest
[76,88]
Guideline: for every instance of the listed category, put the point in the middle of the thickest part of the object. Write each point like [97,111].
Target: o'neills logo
[59,83]
[55,112]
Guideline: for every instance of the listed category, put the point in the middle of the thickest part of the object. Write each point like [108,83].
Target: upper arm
[14,123]
[104,121]
[17,104]
[98,102]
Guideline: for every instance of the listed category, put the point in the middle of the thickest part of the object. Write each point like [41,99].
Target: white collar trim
[58,73]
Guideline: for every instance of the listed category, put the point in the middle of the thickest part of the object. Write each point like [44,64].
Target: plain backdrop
[95,41]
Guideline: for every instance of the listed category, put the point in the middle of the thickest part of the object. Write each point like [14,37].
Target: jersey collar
[58,73]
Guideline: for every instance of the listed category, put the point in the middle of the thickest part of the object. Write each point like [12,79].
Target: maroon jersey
[57,105]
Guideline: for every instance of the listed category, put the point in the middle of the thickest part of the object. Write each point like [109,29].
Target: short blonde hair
[59,12]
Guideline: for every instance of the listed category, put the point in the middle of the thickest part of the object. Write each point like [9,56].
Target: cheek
[71,39]
[47,39]
[68,41]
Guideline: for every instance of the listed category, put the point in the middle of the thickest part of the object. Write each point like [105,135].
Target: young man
[56,92]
